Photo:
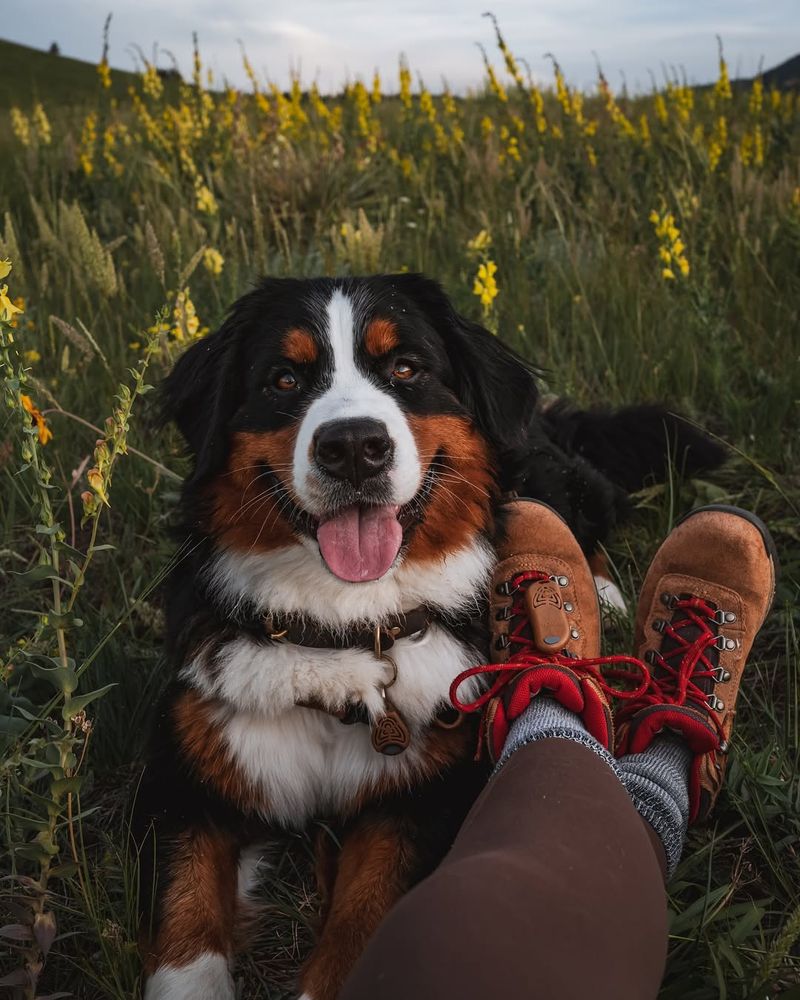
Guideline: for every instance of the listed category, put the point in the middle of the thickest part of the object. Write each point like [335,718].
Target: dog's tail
[633,445]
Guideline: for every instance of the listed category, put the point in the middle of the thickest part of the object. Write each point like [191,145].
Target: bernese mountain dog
[352,440]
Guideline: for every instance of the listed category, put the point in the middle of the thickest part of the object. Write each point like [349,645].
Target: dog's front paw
[206,977]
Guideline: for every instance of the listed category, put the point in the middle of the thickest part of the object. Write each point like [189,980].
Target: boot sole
[751,518]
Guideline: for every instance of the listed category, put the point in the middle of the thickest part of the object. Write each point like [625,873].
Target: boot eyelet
[669,600]
[714,703]
[660,624]
[505,589]
[562,581]
[502,642]
[651,656]
[721,675]
[724,617]
[724,746]
[503,615]
[569,608]
[575,633]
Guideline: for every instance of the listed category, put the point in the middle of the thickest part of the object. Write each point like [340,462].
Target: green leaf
[65,785]
[62,678]
[32,852]
[63,621]
[44,571]
[11,726]
[64,871]
[74,705]
[43,529]
[71,553]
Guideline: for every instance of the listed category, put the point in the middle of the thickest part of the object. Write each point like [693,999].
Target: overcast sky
[331,39]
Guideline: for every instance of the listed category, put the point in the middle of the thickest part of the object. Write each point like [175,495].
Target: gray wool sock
[545,719]
[658,782]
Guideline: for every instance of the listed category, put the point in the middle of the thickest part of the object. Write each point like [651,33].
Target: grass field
[645,248]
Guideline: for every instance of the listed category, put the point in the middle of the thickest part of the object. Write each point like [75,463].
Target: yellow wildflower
[7,308]
[5,268]
[213,261]
[96,482]
[672,251]
[206,202]
[722,88]
[45,434]
[21,126]
[485,286]
[104,72]
[32,357]
[184,315]
[42,123]
[480,242]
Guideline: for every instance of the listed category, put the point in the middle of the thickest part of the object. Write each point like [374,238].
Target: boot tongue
[360,543]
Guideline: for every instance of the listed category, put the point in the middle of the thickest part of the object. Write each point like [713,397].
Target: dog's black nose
[353,449]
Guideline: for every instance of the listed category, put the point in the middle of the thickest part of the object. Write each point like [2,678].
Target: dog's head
[362,420]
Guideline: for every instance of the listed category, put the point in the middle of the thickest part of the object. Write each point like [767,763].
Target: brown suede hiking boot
[544,620]
[705,597]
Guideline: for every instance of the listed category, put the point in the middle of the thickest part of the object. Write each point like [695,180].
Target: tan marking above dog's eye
[285,381]
[403,370]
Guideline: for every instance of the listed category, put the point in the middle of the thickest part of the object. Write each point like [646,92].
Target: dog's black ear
[493,382]
[199,396]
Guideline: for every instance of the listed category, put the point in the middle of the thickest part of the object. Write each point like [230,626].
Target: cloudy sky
[331,39]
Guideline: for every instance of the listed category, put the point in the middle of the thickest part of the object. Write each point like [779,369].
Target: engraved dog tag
[390,735]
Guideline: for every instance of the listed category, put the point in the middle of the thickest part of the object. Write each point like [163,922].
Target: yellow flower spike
[104,72]
[21,126]
[5,268]
[32,357]
[668,274]
[485,286]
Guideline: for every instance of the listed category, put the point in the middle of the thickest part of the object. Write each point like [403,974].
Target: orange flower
[45,434]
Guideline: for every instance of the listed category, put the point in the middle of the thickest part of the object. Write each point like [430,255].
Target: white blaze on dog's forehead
[353,393]
[342,336]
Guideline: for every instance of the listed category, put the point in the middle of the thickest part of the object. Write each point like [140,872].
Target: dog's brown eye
[285,382]
[403,370]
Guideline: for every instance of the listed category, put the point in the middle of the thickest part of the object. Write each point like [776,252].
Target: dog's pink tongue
[360,543]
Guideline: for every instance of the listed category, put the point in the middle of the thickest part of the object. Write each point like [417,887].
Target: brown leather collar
[379,637]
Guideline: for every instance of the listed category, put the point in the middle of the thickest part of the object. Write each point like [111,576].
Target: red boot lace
[624,669]
[681,667]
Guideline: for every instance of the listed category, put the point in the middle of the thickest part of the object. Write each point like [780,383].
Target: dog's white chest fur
[306,762]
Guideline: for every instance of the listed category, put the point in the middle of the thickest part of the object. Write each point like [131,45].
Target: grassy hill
[28,75]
